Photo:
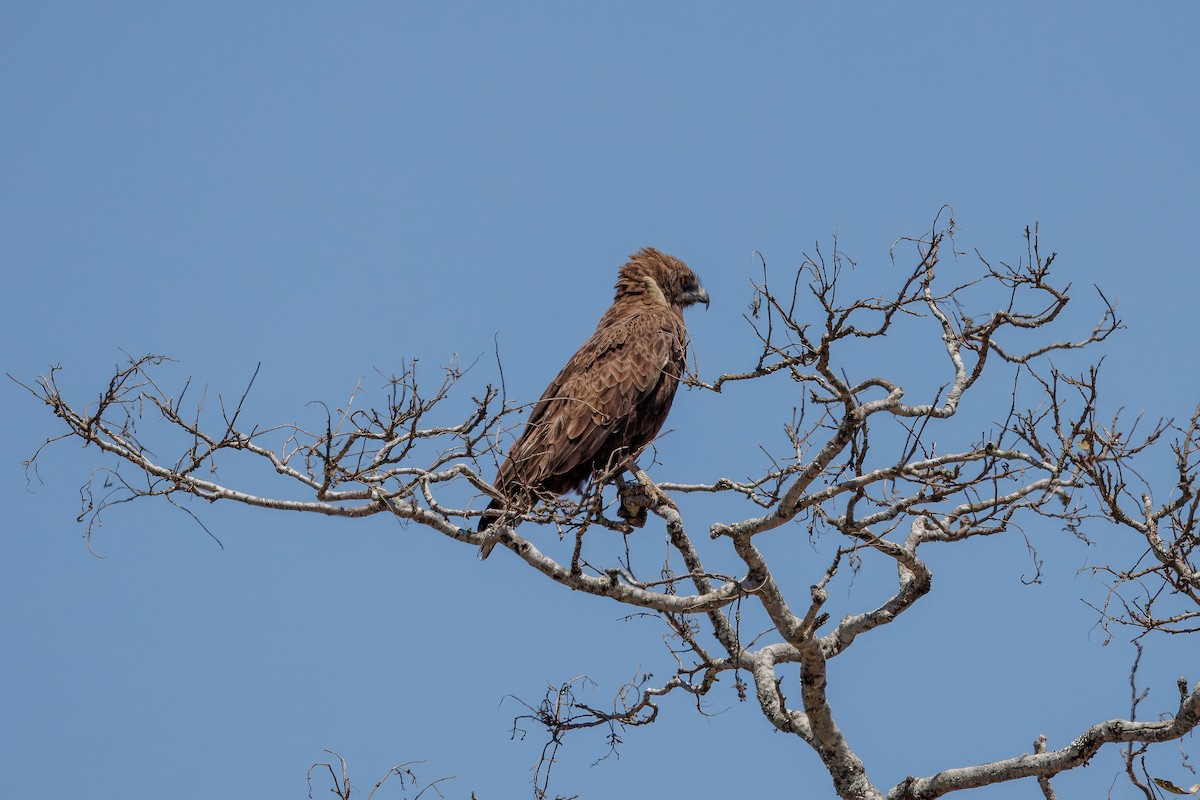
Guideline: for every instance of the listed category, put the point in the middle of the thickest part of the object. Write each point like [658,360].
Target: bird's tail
[488,518]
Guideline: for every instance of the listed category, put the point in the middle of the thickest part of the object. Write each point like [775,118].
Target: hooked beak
[697,295]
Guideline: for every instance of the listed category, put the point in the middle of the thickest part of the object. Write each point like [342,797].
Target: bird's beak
[697,295]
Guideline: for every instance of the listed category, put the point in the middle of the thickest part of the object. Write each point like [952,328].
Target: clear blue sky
[328,189]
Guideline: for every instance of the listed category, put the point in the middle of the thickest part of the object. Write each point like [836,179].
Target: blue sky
[329,189]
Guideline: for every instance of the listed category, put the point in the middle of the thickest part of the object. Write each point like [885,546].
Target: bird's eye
[683,281]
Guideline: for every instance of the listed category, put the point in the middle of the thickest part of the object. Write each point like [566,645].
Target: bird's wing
[601,389]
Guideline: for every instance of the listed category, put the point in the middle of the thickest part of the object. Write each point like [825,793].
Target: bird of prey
[612,397]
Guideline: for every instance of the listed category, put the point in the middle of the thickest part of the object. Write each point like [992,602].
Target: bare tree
[862,463]
[406,780]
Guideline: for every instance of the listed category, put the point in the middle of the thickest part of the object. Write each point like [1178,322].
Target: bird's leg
[637,498]
[596,504]
[633,502]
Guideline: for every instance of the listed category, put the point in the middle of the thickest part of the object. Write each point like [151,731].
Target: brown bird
[613,395]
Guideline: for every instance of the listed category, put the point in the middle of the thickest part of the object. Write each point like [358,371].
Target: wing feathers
[613,395]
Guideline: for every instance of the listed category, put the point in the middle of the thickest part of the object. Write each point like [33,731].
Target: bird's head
[661,277]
